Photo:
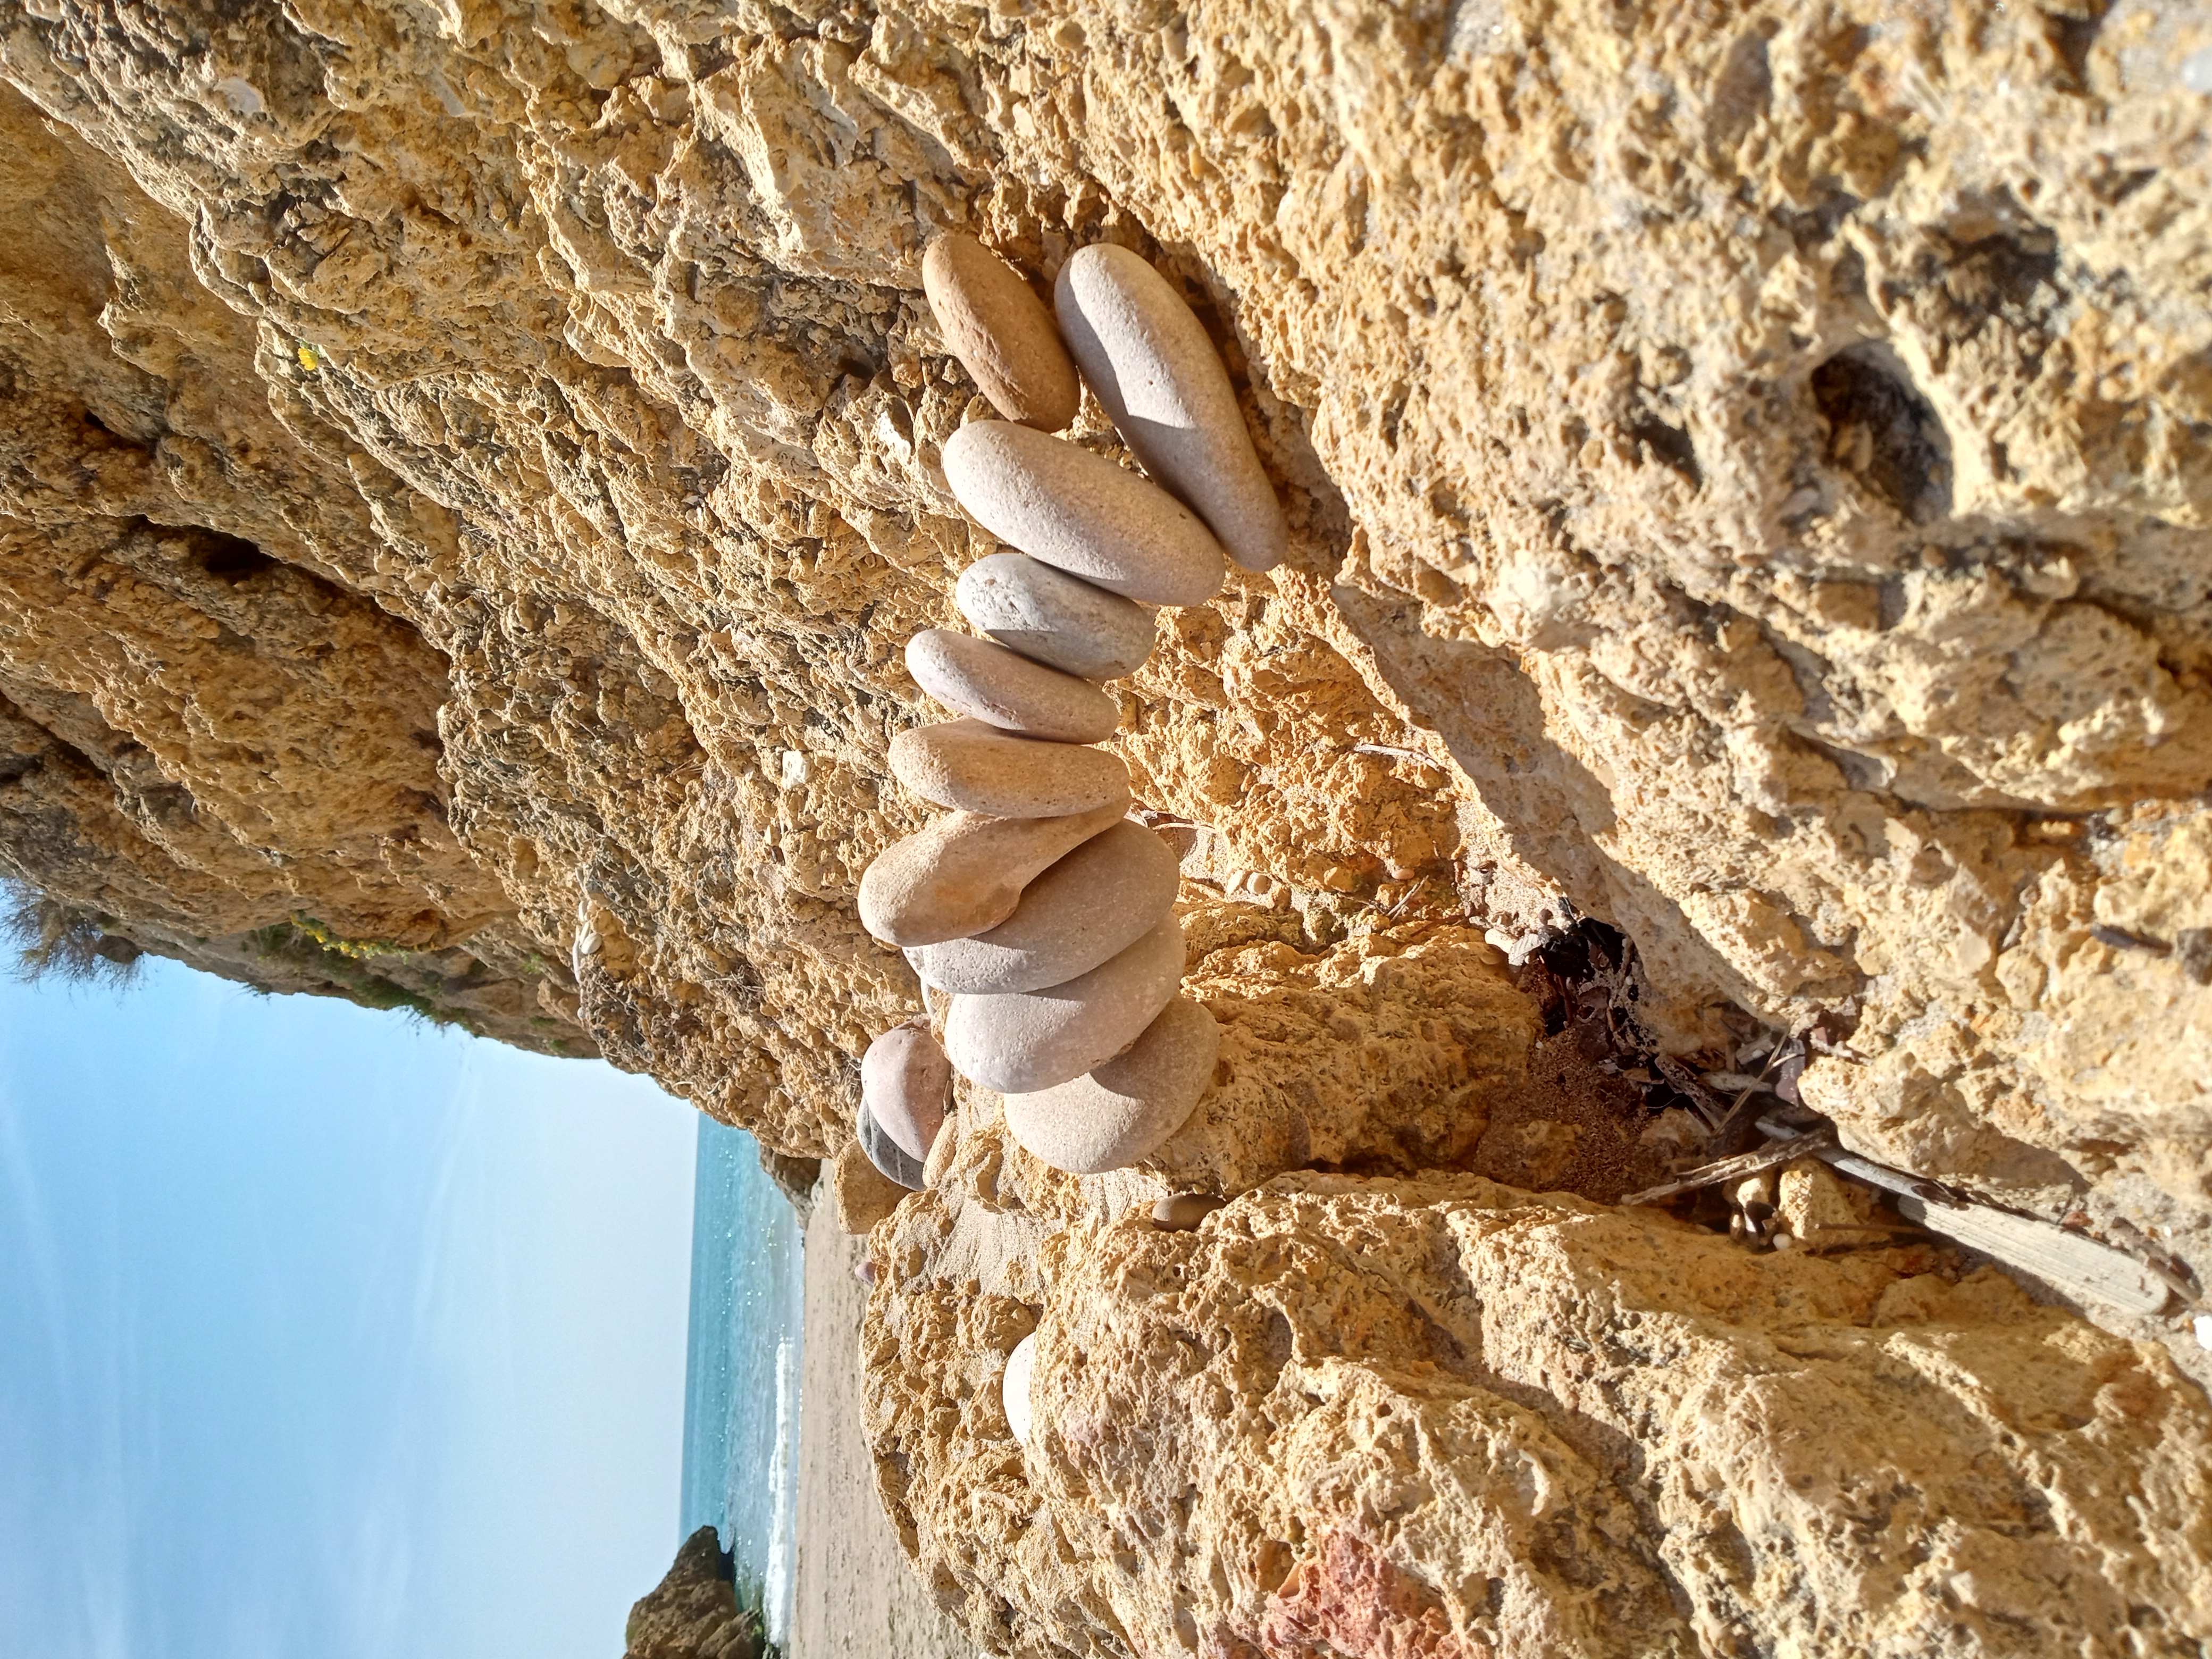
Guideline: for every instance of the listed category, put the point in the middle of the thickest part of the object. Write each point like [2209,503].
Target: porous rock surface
[470,472]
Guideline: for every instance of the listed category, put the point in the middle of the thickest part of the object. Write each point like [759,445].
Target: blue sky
[324,1335]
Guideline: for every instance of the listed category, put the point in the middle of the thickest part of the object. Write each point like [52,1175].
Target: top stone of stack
[1146,357]
[995,325]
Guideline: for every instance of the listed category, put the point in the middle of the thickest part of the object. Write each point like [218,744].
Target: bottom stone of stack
[887,1155]
[1122,1112]
[1025,1040]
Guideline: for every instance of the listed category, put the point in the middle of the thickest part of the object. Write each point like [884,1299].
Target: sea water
[741,1386]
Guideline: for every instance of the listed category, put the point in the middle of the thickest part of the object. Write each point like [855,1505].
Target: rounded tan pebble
[1148,359]
[1182,1213]
[974,676]
[973,767]
[994,324]
[863,1194]
[1093,904]
[1082,513]
[1123,1110]
[1032,1040]
[1050,616]
[905,1080]
[964,873]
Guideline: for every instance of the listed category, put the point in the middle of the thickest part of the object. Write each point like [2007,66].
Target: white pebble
[2197,75]
[1014,1386]
[2204,1330]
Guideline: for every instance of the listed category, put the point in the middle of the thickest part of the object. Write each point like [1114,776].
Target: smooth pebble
[974,676]
[1183,1211]
[1147,358]
[973,767]
[1082,513]
[1053,617]
[1014,1387]
[1031,1040]
[964,873]
[865,1270]
[887,1155]
[905,1080]
[994,324]
[1093,904]
[1123,1110]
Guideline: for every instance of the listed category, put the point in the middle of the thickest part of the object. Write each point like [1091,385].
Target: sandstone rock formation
[693,1613]
[470,472]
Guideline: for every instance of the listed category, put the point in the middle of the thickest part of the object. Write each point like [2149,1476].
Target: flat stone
[1081,512]
[974,676]
[963,873]
[905,1081]
[1014,1387]
[887,1155]
[1123,1110]
[1149,362]
[1032,1040]
[1182,1213]
[1093,904]
[994,324]
[1053,617]
[973,767]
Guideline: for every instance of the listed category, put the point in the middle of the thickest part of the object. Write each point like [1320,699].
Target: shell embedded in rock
[887,1155]
[974,766]
[1050,616]
[1032,1040]
[994,324]
[1122,1111]
[1146,357]
[1014,1387]
[1093,904]
[974,676]
[963,873]
[1082,513]
[905,1081]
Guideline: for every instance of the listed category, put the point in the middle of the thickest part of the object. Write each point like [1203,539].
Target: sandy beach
[857,1597]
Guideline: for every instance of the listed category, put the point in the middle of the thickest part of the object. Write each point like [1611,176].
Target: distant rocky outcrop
[693,1613]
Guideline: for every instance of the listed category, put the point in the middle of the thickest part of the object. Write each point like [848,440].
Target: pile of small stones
[1034,901]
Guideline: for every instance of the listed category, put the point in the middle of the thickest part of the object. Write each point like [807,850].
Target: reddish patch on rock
[1349,1602]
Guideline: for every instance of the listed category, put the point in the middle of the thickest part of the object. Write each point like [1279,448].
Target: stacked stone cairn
[1035,903]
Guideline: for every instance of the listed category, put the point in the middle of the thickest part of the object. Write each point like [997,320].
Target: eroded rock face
[470,473]
[1445,1418]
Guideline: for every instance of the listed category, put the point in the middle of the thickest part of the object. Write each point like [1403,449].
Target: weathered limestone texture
[1447,1418]
[469,471]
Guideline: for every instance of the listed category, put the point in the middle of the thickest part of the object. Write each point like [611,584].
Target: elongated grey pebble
[1082,513]
[1093,904]
[1033,1040]
[1182,1213]
[963,873]
[1121,1113]
[905,1080]
[1147,358]
[1051,617]
[974,766]
[887,1155]
[974,676]
[994,324]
